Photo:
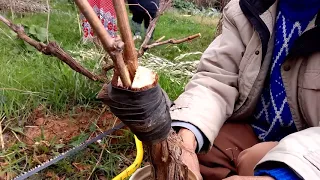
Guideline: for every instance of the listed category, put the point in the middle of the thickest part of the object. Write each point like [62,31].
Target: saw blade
[67,153]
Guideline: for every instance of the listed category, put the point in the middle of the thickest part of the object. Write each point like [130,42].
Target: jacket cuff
[198,134]
[283,173]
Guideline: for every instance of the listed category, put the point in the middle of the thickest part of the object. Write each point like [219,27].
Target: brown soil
[61,129]
[43,129]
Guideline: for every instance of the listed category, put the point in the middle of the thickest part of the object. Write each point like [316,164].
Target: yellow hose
[135,165]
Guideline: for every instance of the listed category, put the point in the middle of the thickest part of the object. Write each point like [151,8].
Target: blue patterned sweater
[273,117]
[282,173]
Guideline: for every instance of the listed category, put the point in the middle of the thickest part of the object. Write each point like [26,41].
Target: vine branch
[141,8]
[164,4]
[52,49]
[114,46]
[130,53]
[171,41]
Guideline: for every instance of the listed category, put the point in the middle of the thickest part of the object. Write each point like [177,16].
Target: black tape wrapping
[146,112]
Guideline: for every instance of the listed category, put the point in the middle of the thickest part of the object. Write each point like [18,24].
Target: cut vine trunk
[165,159]
[164,155]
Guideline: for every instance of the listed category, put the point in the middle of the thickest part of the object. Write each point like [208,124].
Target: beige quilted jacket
[230,78]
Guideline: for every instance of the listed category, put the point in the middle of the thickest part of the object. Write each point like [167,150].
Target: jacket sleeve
[283,173]
[199,136]
[210,96]
[299,151]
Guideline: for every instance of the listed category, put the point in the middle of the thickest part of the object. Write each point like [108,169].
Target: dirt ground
[44,130]
[61,130]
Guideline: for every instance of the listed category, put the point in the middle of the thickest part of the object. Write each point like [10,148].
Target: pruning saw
[67,153]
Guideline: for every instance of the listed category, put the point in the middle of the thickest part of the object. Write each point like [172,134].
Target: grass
[176,25]
[29,79]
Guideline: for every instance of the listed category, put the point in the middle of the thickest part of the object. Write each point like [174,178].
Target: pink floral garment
[106,13]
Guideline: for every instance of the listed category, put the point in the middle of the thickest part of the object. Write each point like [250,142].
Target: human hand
[189,157]
[249,178]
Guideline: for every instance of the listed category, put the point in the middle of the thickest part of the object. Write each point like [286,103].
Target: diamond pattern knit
[273,117]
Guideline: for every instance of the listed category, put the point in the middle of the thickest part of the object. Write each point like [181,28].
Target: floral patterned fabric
[106,13]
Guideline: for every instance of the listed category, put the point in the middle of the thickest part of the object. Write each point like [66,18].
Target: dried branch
[1,135]
[164,4]
[106,66]
[113,46]
[164,156]
[160,39]
[130,54]
[52,49]
[48,19]
[141,8]
[171,41]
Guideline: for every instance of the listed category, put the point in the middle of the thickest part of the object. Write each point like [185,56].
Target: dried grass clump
[23,6]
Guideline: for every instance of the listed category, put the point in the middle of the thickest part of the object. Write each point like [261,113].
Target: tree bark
[165,159]
[130,54]
[165,155]
[113,46]
[171,41]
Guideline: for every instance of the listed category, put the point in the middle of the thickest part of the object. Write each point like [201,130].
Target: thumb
[190,159]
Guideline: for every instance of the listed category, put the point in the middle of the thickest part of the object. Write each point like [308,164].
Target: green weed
[175,25]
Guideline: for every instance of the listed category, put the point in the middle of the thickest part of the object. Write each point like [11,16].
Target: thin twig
[1,135]
[11,9]
[48,19]
[16,136]
[142,8]
[98,162]
[26,164]
[106,68]
[130,53]
[160,39]
[113,46]
[164,4]
[172,41]
[79,22]
[52,49]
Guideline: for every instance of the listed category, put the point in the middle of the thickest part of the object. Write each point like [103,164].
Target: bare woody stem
[171,41]
[165,155]
[164,4]
[1,136]
[107,41]
[150,30]
[52,49]
[145,10]
[113,46]
[130,54]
